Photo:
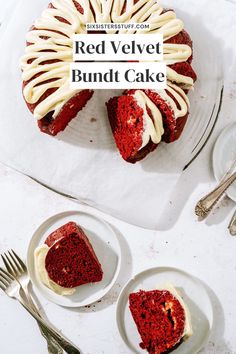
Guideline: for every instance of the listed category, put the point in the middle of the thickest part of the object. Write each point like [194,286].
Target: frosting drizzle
[45,64]
[153,126]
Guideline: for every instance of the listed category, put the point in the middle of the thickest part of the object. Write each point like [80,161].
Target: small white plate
[106,247]
[193,293]
[224,154]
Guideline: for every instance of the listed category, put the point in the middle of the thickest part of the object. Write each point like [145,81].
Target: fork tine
[2,286]
[8,264]
[7,274]
[13,266]
[4,280]
[8,280]
[23,266]
[15,262]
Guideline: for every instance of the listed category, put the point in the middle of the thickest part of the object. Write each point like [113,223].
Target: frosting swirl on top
[153,125]
[47,58]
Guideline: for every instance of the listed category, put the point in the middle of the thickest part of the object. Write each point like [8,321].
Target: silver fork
[17,268]
[12,288]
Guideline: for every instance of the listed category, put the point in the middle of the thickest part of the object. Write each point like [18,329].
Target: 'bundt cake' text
[123,75]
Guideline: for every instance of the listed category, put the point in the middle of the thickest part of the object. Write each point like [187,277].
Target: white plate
[106,247]
[193,293]
[224,154]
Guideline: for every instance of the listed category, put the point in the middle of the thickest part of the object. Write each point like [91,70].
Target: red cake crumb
[126,119]
[71,260]
[160,320]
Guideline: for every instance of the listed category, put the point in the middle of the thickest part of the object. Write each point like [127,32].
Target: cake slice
[141,119]
[71,261]
[127,120]
[67,260]
[162,319]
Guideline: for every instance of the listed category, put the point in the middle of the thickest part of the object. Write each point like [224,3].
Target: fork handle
[206,204]
[232,225]
[53,346]
[61,340]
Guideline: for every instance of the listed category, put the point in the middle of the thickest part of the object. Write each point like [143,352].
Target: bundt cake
[69,260]
[161,318]
[139,119]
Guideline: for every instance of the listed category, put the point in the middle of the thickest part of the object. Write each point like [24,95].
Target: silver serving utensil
[230,171]
[206,204]
[232,225]
[17,268]
[12,288]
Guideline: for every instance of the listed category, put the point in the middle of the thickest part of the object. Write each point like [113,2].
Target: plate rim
[67,213]
[151,269]
[214,155]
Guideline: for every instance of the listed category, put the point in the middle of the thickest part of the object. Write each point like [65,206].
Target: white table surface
[204,249]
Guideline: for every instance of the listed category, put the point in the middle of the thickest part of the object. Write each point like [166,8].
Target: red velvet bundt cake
[69,258]
[161,319]
[46,75]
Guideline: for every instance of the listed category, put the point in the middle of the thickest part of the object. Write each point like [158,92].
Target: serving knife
[207,203]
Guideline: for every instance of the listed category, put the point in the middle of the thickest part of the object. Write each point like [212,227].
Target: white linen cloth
[83,161]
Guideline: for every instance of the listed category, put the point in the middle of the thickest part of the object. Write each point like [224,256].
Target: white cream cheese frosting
[49,46]
[188,331]
[39,260]
[153,126]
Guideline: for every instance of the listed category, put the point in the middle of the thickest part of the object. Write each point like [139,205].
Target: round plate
[193,293]
[106,247]
[224,154]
